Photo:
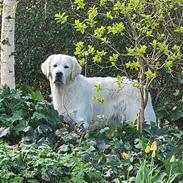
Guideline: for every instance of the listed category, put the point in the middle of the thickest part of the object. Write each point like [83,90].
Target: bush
[23,164]
[38,36]
[27,118]
[36,146]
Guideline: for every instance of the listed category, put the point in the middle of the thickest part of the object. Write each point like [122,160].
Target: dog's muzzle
[59,78]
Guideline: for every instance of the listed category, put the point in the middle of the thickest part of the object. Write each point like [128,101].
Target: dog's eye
[66,66]
[55,65]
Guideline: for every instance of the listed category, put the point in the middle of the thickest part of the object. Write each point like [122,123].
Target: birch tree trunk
[7,44]
[1,8]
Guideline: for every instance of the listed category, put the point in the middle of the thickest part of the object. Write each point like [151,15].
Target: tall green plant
[149,29]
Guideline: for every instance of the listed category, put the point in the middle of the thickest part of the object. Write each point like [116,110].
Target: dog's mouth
[58,80]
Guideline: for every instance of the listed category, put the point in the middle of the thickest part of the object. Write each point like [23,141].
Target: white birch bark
[1,8]
[7,44]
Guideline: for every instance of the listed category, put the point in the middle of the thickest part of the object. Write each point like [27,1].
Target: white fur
[73,94]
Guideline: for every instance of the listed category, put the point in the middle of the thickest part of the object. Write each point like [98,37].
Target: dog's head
[60,69]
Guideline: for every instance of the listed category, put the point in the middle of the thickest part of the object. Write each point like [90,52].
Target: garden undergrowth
[36,146]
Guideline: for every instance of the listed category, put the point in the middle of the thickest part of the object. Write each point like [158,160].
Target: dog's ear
[76,69]
[45,66]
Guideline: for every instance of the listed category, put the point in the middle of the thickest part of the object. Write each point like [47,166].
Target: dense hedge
[37,36]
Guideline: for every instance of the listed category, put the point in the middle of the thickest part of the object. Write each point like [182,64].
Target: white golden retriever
[72,94]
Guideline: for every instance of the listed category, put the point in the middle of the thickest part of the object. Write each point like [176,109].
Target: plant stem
[169,174]
[151,169]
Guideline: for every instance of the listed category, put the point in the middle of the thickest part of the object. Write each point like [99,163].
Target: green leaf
[109,15]
[142,174]
[79,49]
[79,26]
[159,178]
[141,50]
[38,116]
[119,80]
[119,6]
[99,32]
[136,84]
[127,146]
[149,33]
[61,18]
[176,47]
[176,93]
[132,65]
[101,53]
[103,2]
[82,61]
[92,13]
[80,4]
[179,29]
[168,64]
[116,28]
[97,59]
[113,59]
[97,87]
[37,95]
[91,49]
[163,47]
[150,74]
[154,43]
[99,99]
[130,51]
[21,126]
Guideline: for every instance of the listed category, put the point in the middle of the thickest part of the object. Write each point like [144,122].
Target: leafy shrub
[27,117]
[36,146]
[119,151]
[20,164]
[149,47]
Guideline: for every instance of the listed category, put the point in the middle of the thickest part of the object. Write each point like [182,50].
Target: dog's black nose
[59,74]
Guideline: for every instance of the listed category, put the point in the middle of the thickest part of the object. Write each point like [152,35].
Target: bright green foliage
[91,49]
[80,48]
[116,28]
[97,59]
[150,74]
[92,13]
[80,26]
[132,65]
[119,80]
[119,6]
[109,15]
[61,18]
[138,33]
[179,29]
[80,4]
[101,53]
[137,51]
[97,87]
[43,164]
[99,32]
[113,59]
[103,2]
[98,98]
